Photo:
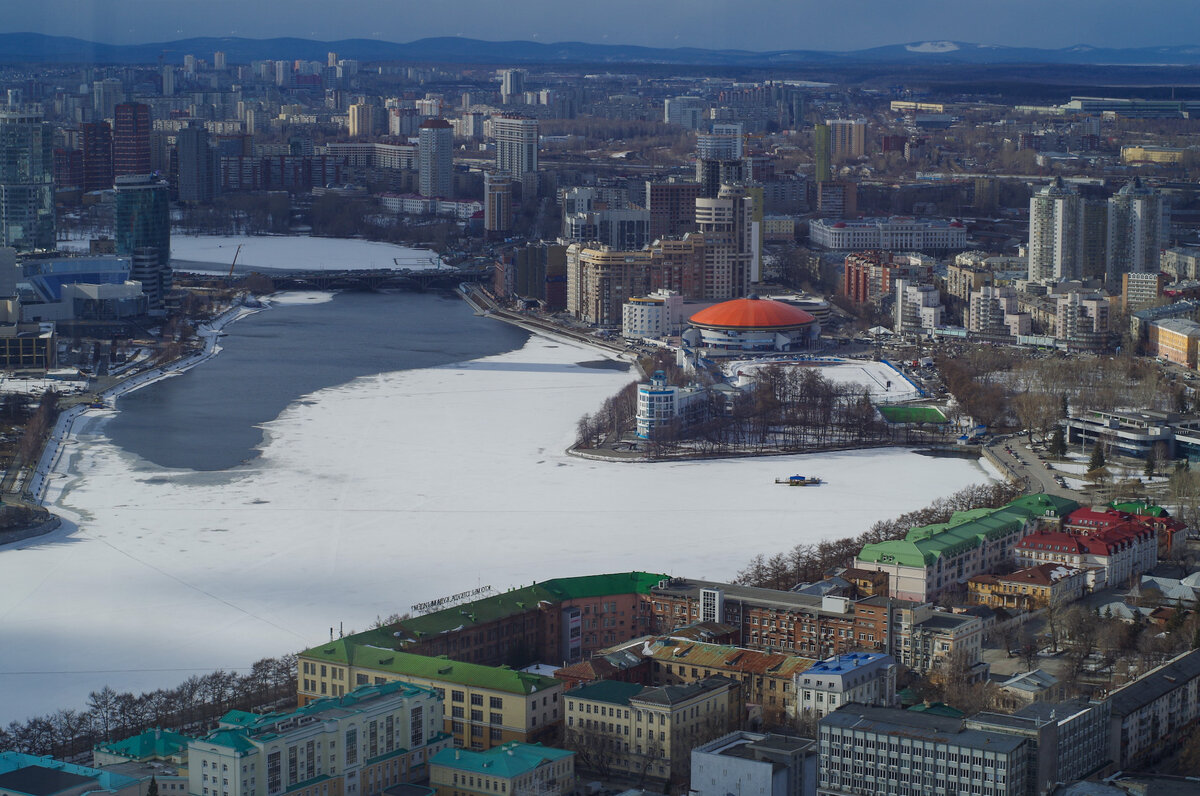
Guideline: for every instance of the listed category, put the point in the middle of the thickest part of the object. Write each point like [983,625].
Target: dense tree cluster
[192,707]
[809,562]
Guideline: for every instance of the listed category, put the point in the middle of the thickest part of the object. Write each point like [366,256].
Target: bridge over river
[418,279]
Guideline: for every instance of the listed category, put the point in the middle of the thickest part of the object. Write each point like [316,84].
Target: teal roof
[240,718]
[610,691]
[149,744]
[506,761]
[230,739]
[965,530]
[108,780]
[373,650]
[516,601]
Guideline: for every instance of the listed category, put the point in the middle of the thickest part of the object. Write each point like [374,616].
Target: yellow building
[508,769]
[1151,154]
[1028,589]
[631,729]
[484,705]
[1175,340]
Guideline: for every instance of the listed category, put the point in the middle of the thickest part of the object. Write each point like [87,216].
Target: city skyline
[710,24]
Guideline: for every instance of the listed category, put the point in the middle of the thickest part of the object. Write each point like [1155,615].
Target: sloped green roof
[240,718]
[1140,508]
[508,760]
[370,651]
[151,743]
[510,603]
[966,529]
[231,739]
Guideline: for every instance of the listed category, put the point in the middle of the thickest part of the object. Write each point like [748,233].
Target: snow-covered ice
[377,494]
[299,253]
[883,382]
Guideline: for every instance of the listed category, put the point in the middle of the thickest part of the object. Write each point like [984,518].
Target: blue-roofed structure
[42,281]
[868,678]
[34,775]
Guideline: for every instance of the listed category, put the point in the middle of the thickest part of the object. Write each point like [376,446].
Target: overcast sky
[739,24]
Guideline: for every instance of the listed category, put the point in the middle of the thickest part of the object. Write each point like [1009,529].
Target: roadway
[1028,468]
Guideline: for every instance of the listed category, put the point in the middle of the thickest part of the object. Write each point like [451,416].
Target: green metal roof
[1140,508]
[516,601]
[371,650]
[231,739]
[610,691]
[151,743]
[966,530]
[508,760]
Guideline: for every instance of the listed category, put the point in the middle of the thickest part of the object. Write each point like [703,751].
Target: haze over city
[715,24]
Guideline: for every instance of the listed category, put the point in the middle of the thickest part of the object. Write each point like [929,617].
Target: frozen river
[366,496]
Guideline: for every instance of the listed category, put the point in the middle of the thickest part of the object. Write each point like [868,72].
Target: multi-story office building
[516,145]
[367,740]
[935,557]
[719,159]
[1181,263]
[755,763]
[896,233]
[1175,340]
[672,207]
[131,139]
[1150,716]
[1140,289]
[143,221]
[483,705]
[650,731]
[26,181]
[1069,740]
[658,315]
[867,678]
[1137,230]
[847,138]
[731,261]
[197,165]
[875,750]
[513,768]
[96,138]
[1055,233]
[435,164]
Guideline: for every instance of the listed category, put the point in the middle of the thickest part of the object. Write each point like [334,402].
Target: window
[497,703]
[416,729]
[351,746]
[477,699]
[274,773]
[458,712]
[496,718]
[457,696]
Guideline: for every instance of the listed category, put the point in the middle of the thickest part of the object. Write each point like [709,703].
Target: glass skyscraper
[26,181]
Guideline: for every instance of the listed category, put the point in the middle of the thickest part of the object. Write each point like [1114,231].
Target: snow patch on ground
[883,383]
[300,253]
[377,494]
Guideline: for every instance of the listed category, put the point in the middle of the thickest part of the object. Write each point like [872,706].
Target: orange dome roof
[751,313]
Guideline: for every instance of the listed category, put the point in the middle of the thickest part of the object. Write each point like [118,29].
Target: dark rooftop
[42,781]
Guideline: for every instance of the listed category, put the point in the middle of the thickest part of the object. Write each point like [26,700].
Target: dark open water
[208,418]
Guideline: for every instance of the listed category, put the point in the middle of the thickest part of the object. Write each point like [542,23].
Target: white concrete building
[897,233]
[868,678]
[755,764]
[918,307]
[660,404]
[435,158]
[1055,233]
[994,311]
[1138,223]
[657,315]
[1151,714]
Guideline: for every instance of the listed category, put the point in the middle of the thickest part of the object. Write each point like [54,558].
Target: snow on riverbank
[380,493]
[298,253]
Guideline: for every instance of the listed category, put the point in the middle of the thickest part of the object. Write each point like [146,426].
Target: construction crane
[229,278]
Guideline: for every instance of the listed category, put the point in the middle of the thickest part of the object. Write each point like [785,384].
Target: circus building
[753,324]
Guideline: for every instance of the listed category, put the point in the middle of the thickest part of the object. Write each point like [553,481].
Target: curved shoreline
[43,476]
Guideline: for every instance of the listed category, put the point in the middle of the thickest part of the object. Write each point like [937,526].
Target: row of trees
[193,706]
[809,562]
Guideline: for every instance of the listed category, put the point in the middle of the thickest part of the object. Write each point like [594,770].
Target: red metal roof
[752,313]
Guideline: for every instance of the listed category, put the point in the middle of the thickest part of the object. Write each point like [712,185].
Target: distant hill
[39,48]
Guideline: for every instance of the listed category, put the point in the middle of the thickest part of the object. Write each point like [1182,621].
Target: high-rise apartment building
[96,138]
[1055,232]
[516,145]
[687,112]
[719,158]
[168,81]
[197,172]
[512,85]
[822,153]
[143,232]
[847,138]
[131,139]
[435,161]
[106,94]
[26,181]
[361,119]
[219,61]
[497,204]
[1137,220]
[672,207]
